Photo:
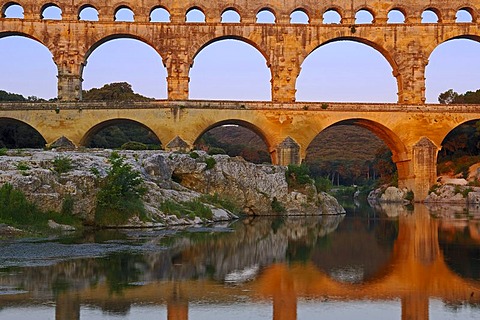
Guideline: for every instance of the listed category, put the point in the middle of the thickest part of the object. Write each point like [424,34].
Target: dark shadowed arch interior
[116,132]
[17,134]
[217,74]
[460,150]
[360,250]
[342,71]
[125,58]
[235,138]
[460,244]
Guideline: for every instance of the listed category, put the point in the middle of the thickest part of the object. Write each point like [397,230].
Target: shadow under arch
[385,53]
[19,134]
[242,123]
[87,139]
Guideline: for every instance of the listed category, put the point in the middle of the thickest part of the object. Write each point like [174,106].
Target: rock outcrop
[178,177]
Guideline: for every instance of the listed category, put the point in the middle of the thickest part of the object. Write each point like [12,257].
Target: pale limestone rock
[57,226]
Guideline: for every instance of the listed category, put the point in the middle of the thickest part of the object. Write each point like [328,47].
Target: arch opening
[364,16]
[453,65]
[230,15]
[51,11]
[16,134]
[141,66]
[396,16]
[195,15]
[430,15]
[299,16]
[346,70]
[460,152]
[235,138]
[266,15]
[354,152]
[124,14]
[159,14]
[121,133]
[31,69]
[88,13]
[332,16]
[12,10]
[464,16]
[218,75]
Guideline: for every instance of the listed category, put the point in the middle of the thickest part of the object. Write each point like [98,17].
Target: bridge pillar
[288,152]
[411,74]
[424,167]
[69,87]
[178,67]
[285,70]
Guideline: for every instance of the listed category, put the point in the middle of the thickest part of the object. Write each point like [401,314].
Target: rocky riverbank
[167,176]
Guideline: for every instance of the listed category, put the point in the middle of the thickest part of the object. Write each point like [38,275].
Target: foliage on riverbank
[119,198]
[17,211]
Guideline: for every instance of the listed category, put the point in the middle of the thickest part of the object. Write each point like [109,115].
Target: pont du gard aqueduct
[412,129]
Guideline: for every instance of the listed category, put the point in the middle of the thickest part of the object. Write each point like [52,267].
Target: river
[368,264]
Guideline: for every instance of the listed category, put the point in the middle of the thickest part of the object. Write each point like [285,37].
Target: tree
[7,96]
[117,91]
[450,97]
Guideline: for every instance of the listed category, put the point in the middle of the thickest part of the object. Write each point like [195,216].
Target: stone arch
[435,10]
[206,43]
[199,8]
[471,11]
[87,6]
[99,42]
[384,52]
[242,123]
[159,8]
[337,10]
[269,10]
[392,141]
[50,5]
[122,7]
[303,11]
[365,9]
[231,9]
[7,5]
[432,47]
[400,10]
[92,131]
[33,137]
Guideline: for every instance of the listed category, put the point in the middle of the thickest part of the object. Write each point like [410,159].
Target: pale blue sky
[229,69]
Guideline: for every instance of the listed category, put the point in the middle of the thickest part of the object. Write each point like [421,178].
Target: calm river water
[385,264]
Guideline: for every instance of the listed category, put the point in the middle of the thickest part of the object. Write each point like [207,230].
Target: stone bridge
[413,131]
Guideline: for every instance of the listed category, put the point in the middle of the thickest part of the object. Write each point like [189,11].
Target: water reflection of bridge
[416,273]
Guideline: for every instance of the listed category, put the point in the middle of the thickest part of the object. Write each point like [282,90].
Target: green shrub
[194,155]
[323,184]
[215,150]
[297,176]
[120,193]
[210,163]
[67,205]
[188,209]
[277,206]
[134,145]
[410,196]
[22,166]
[3,151]
[62,164]
[221,202]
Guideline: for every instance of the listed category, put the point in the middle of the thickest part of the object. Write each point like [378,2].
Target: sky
[343,71]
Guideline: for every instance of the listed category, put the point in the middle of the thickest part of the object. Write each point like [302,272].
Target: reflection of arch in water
[359,251]
[459,241]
